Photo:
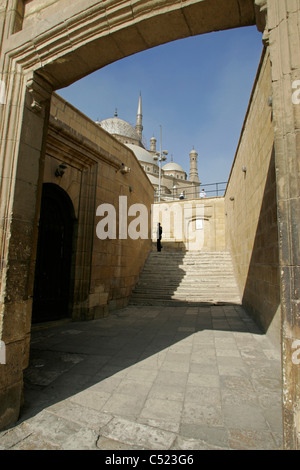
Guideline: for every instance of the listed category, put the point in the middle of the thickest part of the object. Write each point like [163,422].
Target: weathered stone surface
[251,220]
[135,399]
[136,434]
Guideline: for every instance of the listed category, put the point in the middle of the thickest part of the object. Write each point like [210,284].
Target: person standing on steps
[158,236]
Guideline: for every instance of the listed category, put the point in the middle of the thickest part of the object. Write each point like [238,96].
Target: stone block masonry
[251,210]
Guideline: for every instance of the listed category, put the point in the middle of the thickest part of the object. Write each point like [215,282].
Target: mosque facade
[169,180]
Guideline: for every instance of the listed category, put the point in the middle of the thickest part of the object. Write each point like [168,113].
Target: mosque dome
[117,126]
[141,154]
[172,166]
[132,137]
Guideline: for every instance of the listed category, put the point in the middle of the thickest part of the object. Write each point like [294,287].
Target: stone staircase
[174,277]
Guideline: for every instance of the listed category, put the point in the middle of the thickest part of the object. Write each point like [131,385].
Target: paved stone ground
[158,378]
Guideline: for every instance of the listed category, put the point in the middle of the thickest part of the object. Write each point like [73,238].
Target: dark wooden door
[54,255]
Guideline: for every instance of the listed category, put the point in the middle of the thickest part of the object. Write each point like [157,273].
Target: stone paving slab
[152,378]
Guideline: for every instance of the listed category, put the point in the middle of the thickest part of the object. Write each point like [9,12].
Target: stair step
[192,279]
[174,277]
[182,294]
[185,302]
[186,285]
[195,286]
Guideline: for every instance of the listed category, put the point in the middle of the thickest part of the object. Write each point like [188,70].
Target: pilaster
[23,126]
[282,29]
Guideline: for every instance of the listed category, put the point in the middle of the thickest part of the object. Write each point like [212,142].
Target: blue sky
[196,88]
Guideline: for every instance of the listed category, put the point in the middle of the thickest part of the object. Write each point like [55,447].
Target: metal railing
[192,192]
[218,188]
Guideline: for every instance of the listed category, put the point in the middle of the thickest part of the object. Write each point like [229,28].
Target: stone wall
[104,271]
[197,225]
[251,210]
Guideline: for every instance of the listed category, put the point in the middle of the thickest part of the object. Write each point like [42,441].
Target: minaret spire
[193,166]
[139,118]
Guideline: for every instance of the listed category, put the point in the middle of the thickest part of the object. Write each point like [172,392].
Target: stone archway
[51,50]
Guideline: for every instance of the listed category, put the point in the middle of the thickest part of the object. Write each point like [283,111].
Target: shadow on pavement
[67,358]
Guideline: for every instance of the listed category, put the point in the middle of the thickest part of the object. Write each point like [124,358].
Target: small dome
[141,154]
[172,166]
[117,126]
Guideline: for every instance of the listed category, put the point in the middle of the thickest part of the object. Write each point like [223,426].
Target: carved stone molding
[39,93]
[261,7]
[63,47]
[83,154]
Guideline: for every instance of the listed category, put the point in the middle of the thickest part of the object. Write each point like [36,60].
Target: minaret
[193,167]
[139,118]
[153,144]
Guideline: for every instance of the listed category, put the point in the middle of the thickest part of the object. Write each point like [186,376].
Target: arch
[195,234]
[54,254]
[117,29]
